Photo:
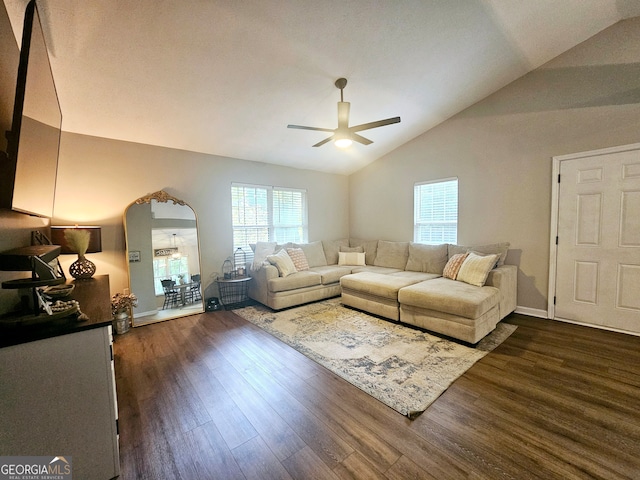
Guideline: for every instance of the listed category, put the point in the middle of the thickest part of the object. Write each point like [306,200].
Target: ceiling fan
[344,135]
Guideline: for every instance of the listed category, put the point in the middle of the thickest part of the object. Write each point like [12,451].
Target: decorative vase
[121,321]
[82,268]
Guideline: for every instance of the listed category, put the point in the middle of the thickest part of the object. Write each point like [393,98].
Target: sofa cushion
[499,248]
[417,276]
[370,248]
[351,258]
[314,253]
[374,269]
[331,249]
[331,273]
[449,296]
[298,258]
[358,249]
[475,268]
[452,267]
[427,258]
[294,281]
[392,254]
[375,284]
[282,262]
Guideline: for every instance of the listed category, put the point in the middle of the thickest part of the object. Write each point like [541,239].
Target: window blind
[267,214]
[436,212]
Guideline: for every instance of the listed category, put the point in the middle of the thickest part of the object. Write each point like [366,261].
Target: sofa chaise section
[377,293]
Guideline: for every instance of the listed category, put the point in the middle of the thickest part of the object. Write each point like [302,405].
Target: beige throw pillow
[282,262]
[475,268]
[495,248]
[351,258]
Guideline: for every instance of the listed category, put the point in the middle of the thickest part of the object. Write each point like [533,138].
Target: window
[267,214]
[169,267]
[436,212]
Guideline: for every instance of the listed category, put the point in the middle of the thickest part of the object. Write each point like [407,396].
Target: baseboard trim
[144,314]
[599,327]
[532,312]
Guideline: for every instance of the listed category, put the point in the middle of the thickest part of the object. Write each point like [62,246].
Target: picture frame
[134,256]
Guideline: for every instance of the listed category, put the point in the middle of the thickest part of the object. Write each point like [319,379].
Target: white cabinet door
[57,398]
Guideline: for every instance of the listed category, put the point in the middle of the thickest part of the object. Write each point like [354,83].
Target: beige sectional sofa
[401,281]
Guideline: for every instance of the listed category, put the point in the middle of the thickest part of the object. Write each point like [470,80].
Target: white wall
[98,178]
[501,149]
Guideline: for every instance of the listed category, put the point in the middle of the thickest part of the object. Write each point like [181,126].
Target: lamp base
[82,268]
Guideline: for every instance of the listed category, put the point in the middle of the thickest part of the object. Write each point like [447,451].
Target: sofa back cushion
[495,248]
[427,258]
[314,253]
[332,248]
[392,254]
[370,248]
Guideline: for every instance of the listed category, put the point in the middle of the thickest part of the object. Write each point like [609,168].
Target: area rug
[405,368]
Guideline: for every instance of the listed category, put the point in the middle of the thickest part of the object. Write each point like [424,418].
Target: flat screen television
[34,140]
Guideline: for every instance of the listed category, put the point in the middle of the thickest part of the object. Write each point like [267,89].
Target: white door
[598,240]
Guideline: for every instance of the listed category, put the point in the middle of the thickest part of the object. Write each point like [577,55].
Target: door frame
[555,204]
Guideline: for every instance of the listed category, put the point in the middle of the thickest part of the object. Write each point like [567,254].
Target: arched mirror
[164,258]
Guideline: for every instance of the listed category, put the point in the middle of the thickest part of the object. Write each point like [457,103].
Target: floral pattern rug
[405,368]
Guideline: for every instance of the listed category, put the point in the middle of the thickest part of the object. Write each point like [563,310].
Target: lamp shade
[95,238]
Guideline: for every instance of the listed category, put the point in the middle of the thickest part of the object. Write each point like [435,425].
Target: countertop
[95,301]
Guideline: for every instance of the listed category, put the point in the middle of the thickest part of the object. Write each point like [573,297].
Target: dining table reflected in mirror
[164,258]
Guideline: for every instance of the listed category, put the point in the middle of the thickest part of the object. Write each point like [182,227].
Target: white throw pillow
[283,263]
[261,252]
[475,268]
[351,258]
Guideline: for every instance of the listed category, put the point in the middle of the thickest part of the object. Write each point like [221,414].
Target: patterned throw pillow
[476,268]
[452,267]
[298,258]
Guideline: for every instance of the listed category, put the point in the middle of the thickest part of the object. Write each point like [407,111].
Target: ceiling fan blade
[379,123]
[326,140]
[360,139]
[343,114]
[301,127]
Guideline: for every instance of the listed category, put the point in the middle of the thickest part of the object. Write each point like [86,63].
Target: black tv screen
[34,140]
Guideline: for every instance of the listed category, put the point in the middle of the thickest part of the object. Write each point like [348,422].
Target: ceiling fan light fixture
[344,135]
[343,142]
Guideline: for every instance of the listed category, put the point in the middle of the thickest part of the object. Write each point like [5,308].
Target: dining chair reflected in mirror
[195,291]
[171,295]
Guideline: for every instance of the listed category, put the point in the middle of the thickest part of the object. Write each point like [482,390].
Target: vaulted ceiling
[225,77]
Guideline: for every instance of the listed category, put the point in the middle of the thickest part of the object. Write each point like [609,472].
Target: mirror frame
[162,197]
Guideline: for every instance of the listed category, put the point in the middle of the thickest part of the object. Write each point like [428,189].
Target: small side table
[234,292]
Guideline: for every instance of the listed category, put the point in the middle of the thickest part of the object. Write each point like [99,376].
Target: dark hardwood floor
[213,397]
